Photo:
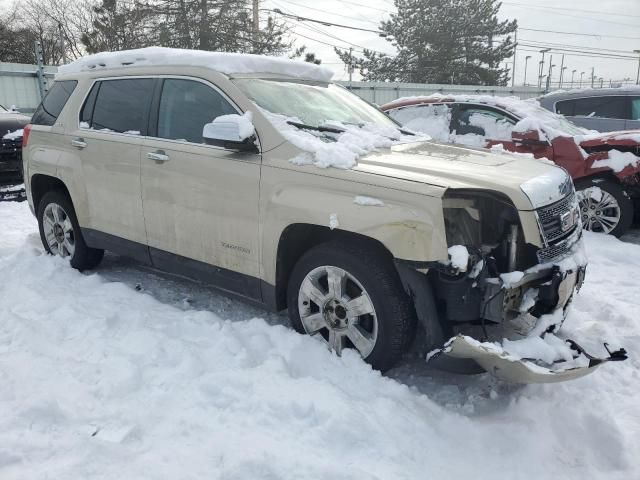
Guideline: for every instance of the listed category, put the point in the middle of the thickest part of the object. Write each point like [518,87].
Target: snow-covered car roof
[223,62]
[529,109]
[593,92]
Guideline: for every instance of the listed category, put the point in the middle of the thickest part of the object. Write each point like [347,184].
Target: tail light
[25,134]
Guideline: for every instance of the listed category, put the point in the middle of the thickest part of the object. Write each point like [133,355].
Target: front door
[200,201]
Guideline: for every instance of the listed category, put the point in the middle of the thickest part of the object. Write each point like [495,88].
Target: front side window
[119,106]
[54,101]
[603,107]
[186,106]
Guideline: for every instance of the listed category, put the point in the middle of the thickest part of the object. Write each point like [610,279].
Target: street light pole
[562,75]
[543,51]
[573,73]
[581,74]
[526,62]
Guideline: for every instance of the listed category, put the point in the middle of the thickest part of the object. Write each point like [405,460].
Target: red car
[605,166]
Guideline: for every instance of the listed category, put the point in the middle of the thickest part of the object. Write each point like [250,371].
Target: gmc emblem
[569,219]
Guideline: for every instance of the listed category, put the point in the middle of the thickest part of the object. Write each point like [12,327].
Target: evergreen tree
[441,41]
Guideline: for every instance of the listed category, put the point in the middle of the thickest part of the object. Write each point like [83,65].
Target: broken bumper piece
[499,362]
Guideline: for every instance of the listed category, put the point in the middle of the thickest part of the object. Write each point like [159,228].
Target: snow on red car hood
[621,138]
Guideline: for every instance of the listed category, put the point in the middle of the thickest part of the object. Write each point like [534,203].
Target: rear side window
[53,103]
[603,107]
[186,106]
[635,108]
[118,105]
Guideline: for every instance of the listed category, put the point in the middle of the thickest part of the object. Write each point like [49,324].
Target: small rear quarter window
[53,102]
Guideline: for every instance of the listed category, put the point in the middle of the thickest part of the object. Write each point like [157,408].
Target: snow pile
[618,161]
[102,381]
[333,221]
[339,150]
[14,135]
[459,257]
[430,120]
[223,62]
[232,127]
[368,201]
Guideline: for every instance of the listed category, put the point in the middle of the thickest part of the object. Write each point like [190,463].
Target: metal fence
[19,86]
[382,92]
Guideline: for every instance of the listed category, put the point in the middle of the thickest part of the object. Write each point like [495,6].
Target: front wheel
[348,296]
[60,232]
[605,207]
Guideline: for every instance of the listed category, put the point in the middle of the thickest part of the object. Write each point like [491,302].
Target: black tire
[614,189]
[84,257]
[373,268]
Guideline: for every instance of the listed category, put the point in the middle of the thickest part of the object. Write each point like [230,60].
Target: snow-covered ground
[125,373]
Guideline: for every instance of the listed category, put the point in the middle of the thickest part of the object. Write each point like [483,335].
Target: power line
[321,22]
[572,10]
[362,20]
[586,18]
[535,49]
[544,44]
[578,34]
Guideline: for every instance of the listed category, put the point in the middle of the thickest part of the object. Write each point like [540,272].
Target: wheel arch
[41,184]
[298,238]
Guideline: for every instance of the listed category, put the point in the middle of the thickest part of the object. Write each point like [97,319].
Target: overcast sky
[608,19]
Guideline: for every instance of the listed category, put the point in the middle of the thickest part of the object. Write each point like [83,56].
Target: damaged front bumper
[499,362]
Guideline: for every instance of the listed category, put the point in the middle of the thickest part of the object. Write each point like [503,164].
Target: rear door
[200,201]
[113,123]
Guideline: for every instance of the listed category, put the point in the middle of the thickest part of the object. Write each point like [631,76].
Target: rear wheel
[60,232]
[348,296]
[605,207]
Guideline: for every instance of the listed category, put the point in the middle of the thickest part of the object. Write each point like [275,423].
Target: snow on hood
[224,62]
[624,137]
[551,186]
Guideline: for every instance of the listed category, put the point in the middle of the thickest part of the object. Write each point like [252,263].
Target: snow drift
[100,380]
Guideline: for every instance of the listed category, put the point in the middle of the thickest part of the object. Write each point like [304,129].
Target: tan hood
[528,182]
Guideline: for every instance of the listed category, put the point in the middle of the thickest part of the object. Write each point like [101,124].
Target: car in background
[601,109]
[605,167]
[11,125]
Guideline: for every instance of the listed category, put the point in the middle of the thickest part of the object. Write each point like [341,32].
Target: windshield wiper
[319,128]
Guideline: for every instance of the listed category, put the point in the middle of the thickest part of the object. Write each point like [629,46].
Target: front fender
[408,224]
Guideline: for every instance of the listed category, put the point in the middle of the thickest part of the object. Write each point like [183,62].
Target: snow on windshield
[223,62]
[332,149]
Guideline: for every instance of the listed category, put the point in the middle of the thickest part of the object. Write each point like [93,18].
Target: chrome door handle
[158,157]
[79,143]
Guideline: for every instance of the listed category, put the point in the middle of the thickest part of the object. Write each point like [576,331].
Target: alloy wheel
[599,210]
[335,307]
[58,230]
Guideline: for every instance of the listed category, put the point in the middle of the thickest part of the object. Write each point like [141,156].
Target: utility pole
[256,24]
[63,49]
[551,65]
[350,66]
[42,80]
[593,76]
[638,74]
[562,67]
[526,61]
[513,70]
[573,74]
[581,74]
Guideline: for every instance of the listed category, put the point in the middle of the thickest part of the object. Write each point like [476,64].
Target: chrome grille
[550,218]
[560,249]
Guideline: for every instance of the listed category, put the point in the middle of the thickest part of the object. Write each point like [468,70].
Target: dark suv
[601,109]
[11,124]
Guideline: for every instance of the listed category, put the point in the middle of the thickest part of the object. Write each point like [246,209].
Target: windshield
[312,104]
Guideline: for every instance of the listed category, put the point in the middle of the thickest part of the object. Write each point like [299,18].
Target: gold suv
[179,159]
